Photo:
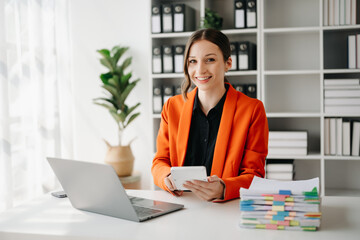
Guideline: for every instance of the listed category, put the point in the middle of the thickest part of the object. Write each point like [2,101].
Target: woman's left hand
[213,189]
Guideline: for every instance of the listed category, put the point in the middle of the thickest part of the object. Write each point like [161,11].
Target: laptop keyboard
[143,211]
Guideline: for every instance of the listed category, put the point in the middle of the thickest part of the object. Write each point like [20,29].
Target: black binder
[177,90]
[240,13]
[157,66]
[168,59]
[167,18]
[247,56]
[251,16]
[156,19]
[234,56]
[251,90]
[157,100]
[168,92]
[179,58]
[240,88]
[184,18]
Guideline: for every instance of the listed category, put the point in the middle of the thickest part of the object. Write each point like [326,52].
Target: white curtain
[35,96]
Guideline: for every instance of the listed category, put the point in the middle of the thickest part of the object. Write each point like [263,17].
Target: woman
[213,125]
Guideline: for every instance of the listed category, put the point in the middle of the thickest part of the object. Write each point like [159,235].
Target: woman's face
[206,66]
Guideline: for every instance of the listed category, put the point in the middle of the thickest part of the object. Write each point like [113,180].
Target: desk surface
[51,218]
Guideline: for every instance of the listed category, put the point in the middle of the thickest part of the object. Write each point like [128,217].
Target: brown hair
[214,36]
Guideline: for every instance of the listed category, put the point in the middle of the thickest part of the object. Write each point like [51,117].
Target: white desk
[51,218]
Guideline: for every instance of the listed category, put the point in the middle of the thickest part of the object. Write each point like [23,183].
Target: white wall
[103,24]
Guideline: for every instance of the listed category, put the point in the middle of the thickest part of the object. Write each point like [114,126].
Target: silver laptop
[96,188]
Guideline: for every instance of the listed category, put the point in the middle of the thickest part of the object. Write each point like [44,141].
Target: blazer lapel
[224,131]
[184,127]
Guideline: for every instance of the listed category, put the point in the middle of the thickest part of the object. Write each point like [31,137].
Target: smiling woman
[213,125]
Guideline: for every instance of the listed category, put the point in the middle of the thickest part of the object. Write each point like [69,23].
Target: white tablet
[182,174]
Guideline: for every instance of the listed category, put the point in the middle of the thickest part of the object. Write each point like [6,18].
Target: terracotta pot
[121,159]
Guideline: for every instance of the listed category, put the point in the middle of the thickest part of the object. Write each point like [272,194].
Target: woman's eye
[211,59]
[192,61]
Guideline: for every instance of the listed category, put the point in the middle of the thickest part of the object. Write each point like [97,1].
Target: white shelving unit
[295,52]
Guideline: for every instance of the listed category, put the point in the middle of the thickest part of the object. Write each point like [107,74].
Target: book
[346,138]
[355,145]
[287,143]
[332,136]
[339,136]
[342,82]
[279,165]
[342,87]
[333,109]
[341,93]
[342,12]
[287,151]
[342,101]
[327,136]
[352,51]
[287,135]
[326,12]
[280,175]
[358,50]
[353,12]
[337,12]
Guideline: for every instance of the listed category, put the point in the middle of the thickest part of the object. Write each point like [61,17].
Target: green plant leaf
[115,116]
[109,101]
[132,118]
[104,52]
[127,91]
[114,82]
[112,90]
[105,77]
[118,52]
[124,80]
[107,106]
[133,108]
[107,63]
[127,62]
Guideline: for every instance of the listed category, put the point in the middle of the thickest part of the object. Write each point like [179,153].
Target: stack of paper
[281,205]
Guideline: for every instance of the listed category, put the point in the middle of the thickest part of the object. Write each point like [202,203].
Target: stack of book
[280,169]
[280,205]
[339,12]
[342,137]
[342,96]
[288,143]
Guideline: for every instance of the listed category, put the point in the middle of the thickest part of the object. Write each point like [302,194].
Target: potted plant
[212,20]
[118,86]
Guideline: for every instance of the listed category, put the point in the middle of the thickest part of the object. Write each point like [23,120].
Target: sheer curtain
[35,96]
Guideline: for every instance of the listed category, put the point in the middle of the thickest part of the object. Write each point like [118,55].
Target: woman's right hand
[171,185]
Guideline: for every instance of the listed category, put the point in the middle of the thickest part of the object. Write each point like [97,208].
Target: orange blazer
[241,145]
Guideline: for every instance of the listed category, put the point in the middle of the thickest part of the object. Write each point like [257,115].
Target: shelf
[291,72]
[340,115]
[341,71]
[168,75]
[292,30]
[241,73]
[240,31]
[292,115]
[172,35]
[294,55]
[342,158]
[298,157]
[342,192]
[343,27]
